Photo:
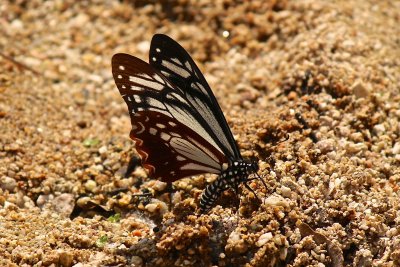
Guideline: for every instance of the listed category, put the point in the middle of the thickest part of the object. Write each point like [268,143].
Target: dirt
[310,88]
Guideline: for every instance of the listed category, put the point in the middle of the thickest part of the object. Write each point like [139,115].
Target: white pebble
[379,129]
[8,183]
[90,185]
[276,201]
[396,148]
[159,186]
[264,238]
[103,150]
[326,145]
[286,191]
[234,236]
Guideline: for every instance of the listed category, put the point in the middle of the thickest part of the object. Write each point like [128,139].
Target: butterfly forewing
[167,131]
[178,67]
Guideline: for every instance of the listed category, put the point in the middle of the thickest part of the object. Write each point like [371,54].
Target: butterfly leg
[134,162]
[251,190]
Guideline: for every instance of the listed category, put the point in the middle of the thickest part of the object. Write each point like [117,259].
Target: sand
[332,175]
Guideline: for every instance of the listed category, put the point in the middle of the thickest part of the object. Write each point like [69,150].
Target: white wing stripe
[155,103]
[187,65]
[146,83]
[193,166]
[143,75]
[175,68]
[177,61]
[188,150]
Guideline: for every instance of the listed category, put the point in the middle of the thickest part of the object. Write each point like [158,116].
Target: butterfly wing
[168,135]
[172,60]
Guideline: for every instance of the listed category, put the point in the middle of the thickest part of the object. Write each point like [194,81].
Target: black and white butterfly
[177,124]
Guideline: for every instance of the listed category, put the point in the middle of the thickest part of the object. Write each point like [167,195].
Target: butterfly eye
[177,125]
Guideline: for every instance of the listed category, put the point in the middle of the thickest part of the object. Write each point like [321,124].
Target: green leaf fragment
[114,218]
[101,241]
[89,142]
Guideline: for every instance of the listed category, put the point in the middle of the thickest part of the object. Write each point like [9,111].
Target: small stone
[343,131]
[8,183]
[125,200]
[159,206]
[353,148]
[103,150]
[379,129]
[234,236]
[10,206]
[360,90]
[136,261]
[286,191]
[66,258]
[263,239]
[176,198]
[64,204]
[151,207]
[396,148]
[159,186]
[17,24]
[326,145]
[41,200]
[90,185]
[79,20]
[276,201]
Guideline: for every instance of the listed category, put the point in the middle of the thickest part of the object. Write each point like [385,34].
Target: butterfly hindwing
[172,149]
[168,135]
[172,60]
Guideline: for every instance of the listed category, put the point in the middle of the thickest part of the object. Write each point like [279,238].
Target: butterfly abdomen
[232,177]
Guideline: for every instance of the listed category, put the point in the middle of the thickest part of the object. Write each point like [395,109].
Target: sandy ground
[333,188]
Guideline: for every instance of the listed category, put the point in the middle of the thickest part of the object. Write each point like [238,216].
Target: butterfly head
[240,170]
[252,167]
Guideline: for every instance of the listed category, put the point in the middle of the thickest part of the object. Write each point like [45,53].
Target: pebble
[353,148]
[103,150]
[326,145]
[360,90]
[136,261]
[17,25]
[396,148]
[286,191]
[263,239]
[8,183]
[379,129]
[158,206]
[159,186]
[64,204]
[90,185]
[66,258]
[276,200]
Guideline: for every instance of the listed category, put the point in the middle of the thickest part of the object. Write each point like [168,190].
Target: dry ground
[333,189]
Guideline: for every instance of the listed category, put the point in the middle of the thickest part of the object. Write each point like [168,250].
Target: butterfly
[177,125]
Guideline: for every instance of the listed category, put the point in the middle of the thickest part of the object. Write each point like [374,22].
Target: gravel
[331,200]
